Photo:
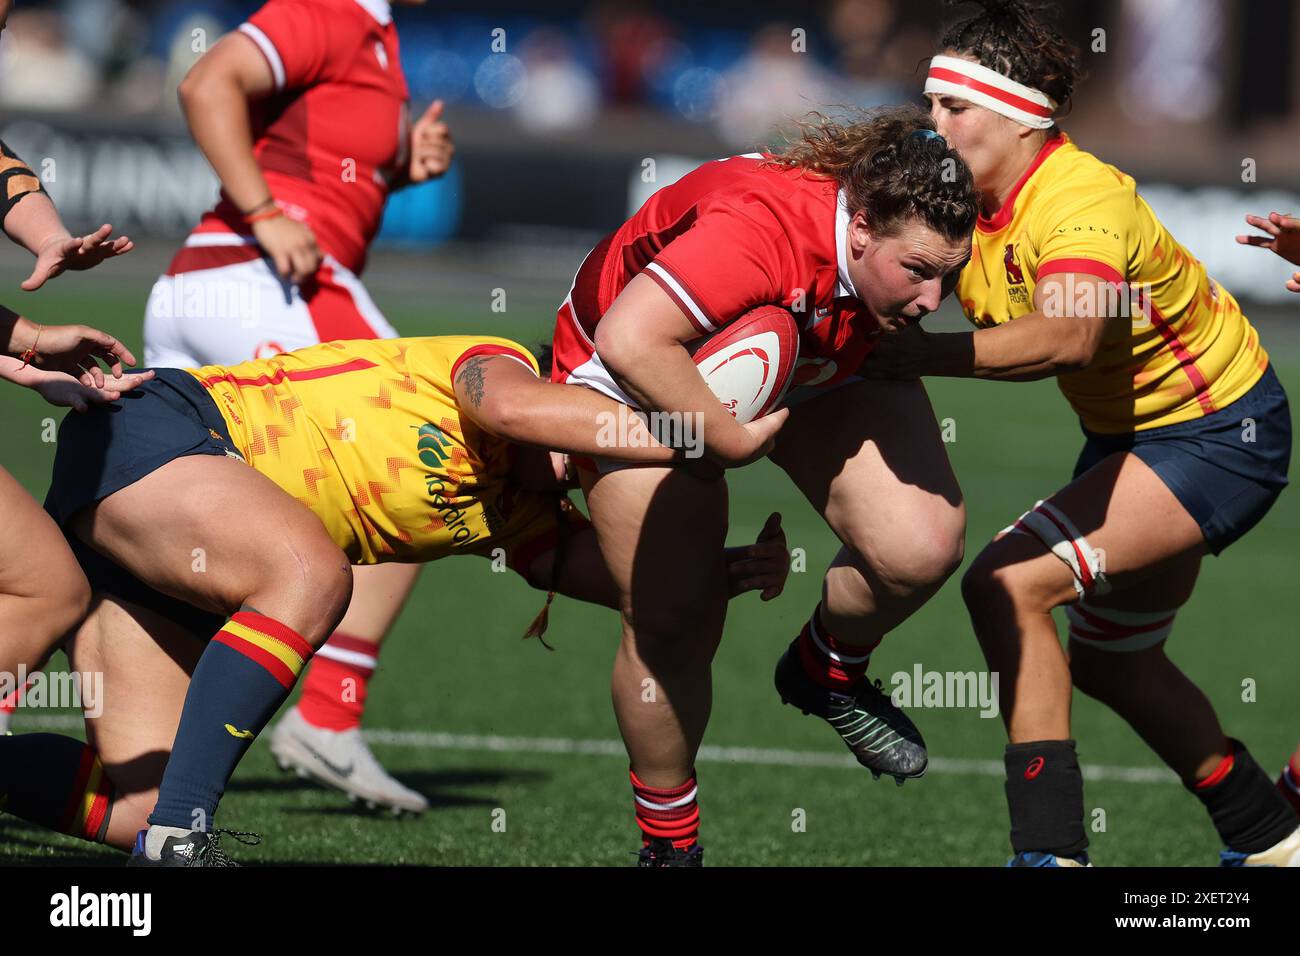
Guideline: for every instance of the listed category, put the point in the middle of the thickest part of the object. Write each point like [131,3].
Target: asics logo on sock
[1034,769]
[241,734]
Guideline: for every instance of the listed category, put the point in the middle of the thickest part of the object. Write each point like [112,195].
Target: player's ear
[860,235]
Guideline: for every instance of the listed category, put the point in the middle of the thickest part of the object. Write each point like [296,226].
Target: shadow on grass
[432,784]
[27,845]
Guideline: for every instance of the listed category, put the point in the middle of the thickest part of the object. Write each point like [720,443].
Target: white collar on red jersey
[845,284]
[379,9]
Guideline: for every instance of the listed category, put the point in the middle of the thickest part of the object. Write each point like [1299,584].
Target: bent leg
[146,662]
[276,571]
[1139,530]
[869,457]
[1172,714]
[1118,524]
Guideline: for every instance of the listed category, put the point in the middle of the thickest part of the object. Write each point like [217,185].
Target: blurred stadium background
[566,115]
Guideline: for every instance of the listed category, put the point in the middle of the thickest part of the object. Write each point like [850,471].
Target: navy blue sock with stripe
[244,675]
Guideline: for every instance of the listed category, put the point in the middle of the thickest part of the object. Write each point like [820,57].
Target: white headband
[990,89]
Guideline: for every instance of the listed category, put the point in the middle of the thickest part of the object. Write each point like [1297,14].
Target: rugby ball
[749,363]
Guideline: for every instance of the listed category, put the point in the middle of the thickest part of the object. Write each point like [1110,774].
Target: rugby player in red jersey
[303,113]
[856,227]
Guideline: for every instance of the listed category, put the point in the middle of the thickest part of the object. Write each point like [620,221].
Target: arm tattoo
[471,374]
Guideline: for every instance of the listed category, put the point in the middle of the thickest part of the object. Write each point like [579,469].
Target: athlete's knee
[676,630]
[313,579]
[920,558]
[674,622]
[997,582]
[72,605]
[57,610]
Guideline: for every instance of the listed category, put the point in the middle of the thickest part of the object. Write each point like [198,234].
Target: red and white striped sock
[1288,782]
[830,661]
[334,690]
[669,814]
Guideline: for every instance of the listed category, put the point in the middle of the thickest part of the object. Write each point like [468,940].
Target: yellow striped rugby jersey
[368,435]
[1186,350]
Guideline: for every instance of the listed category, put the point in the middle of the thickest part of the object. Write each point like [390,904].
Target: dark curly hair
[1013,38]
[888,171]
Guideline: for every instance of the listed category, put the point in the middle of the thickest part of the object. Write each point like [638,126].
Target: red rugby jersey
[337,126]
[729,236]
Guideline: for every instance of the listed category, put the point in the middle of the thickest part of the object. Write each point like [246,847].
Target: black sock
[1244,805]
[1045,797]
[56,782]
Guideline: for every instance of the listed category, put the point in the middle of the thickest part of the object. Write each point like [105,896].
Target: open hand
[762,566]
[70,252]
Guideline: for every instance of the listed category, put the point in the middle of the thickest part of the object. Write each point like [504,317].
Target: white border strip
[268,50]
[676,286]
[197,240]
[368,661]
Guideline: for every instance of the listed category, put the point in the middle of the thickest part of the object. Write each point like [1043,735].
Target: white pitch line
[709,753]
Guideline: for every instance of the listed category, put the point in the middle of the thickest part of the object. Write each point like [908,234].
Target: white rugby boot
[1283,853]
[342,760]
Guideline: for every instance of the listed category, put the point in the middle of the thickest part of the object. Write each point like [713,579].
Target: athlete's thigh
[661,533]
[1166,587]
[145,662]
[34,559]
[869,457]
[1128,517]
[206,529]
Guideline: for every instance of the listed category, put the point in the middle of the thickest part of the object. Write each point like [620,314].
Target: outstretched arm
[30,219]
[1062,335]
